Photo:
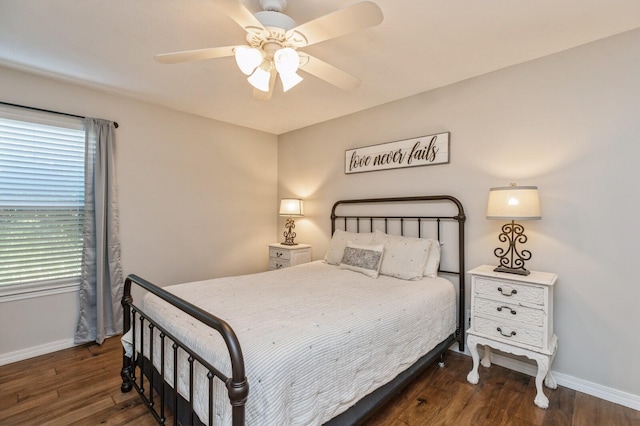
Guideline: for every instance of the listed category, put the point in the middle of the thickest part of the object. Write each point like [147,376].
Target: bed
[325,342]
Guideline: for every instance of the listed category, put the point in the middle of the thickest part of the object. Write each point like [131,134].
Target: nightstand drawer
[509,291]
[509,331]
[278,263]
[278,253]
[509,311]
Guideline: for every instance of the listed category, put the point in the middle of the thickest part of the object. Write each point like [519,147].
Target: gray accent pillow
[365,259]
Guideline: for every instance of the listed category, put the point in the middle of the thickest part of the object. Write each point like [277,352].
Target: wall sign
[421,151]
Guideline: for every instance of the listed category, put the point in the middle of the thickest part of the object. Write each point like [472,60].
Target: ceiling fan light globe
[286,60]
[248,58]
[289,80]
[260,79]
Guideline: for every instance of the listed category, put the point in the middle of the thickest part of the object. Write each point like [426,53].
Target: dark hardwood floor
[81,386]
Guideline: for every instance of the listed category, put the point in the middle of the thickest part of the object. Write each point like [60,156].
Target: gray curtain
[101,281]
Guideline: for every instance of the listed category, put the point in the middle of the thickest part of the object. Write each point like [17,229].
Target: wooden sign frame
[421,151]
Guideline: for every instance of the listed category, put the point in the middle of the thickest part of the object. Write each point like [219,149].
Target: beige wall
[567,123]
[197,200]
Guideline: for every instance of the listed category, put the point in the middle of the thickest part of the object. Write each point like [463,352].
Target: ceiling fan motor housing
[275,5]
[276,25]
[271,18]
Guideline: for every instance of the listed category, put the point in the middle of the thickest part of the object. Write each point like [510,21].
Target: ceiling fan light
[260,79]
[248,58]
[289,80]
[287,60]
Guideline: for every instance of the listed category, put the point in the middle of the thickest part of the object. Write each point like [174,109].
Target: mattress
[315,338]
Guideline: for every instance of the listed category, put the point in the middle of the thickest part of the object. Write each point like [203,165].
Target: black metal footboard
[133,369]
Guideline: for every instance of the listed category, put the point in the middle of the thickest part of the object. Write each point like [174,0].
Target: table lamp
[290,207]
[514,203]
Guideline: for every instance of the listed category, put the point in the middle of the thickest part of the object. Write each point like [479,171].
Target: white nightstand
[283,256]
[514,314]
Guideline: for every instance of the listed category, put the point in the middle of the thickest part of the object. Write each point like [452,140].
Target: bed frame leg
[125,373]
[441,362]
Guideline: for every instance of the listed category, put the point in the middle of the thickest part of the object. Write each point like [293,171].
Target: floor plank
[81,386]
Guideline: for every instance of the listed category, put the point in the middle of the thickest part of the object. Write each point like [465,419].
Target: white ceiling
[420,45]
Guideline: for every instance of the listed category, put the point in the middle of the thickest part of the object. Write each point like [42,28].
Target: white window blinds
[41,197]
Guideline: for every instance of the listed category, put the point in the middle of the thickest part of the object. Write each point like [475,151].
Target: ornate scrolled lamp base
[289,235]
[512,260]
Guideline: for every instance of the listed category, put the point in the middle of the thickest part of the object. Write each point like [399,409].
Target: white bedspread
[315,338]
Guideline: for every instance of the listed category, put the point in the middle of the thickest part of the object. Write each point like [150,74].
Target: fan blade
[195,55]
[327,72]
[348,20]
[241,15]
[265,96]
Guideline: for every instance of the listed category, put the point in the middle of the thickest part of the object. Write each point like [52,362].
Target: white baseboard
[599,391]
[33,351]
[603,392]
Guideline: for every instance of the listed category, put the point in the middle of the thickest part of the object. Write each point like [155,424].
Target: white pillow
[339,242]
[404,257]
[433,262]
[365,259]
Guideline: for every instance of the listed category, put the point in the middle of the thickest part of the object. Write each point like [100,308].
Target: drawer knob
[278,254]
[500,308]
[513,333]
[279,265]
[513,291]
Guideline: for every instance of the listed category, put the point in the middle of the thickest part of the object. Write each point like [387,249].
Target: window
[41,202]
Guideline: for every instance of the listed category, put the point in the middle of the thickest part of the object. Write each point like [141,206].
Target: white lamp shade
[287,60]
[514,203]
[291,207]
[248,58]
[260,79]
[289,80]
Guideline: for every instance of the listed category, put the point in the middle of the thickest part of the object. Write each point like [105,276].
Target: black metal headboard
[371,220]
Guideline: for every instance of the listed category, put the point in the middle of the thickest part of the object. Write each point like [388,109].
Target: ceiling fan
[273,39]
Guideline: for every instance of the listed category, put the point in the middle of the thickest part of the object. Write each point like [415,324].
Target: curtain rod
[115,124]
